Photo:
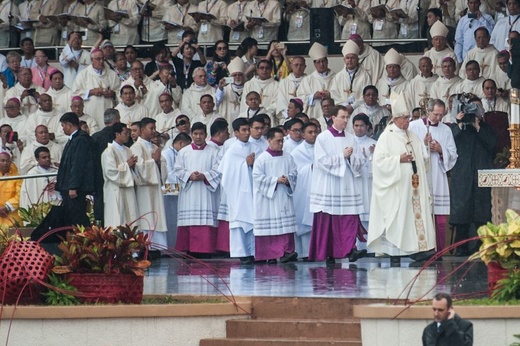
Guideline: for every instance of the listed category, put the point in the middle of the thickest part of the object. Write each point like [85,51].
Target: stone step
[278,342]
[287,329]
[306,308]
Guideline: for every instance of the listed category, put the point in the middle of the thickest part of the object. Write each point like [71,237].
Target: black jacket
[77,165]
[453,332]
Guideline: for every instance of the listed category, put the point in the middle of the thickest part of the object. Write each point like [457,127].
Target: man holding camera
[475,141]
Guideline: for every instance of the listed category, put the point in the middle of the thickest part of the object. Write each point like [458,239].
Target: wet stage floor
[367,278]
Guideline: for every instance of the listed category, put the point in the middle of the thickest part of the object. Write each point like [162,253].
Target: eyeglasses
[296,130]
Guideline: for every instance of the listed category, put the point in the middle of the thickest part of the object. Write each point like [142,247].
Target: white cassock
[394,226]
[51,120]
[498,104]
[272,202]
[237,182]
[82,57]
[303,157]
[289,144]
[419,88]
[139,96]
[287,89]
[334,189]
[155,90]
[165,122]
[28,161]
[190,104]
[486,58]
[390,88]
[93,126]
[170,156]
[473,86]
[309,86]
[29,104]
[198,200]
[249,113]
[502,29]
[91,79]
[372,61]
[374,113]
[135,112]
[150,204]
[363,149]
[347,87]
[442,88]
[61,99]
[270,10]
[228,101]
[437,57]
[206,119]
[438,180]
[212,31]
[125,32]
[18,124]
[119,187]
[267,89]
[33,190]
[502,79]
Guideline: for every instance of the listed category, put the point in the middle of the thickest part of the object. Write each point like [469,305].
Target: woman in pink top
[41,73]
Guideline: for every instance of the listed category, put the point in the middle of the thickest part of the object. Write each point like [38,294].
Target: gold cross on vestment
[235,103]
[425,94]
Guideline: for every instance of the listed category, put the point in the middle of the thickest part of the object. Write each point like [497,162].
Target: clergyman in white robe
[36,190]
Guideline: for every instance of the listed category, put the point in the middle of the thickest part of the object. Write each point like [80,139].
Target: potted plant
[500,250]
[104,263]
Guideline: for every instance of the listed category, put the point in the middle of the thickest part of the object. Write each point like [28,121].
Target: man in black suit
[449,329]
[76,172]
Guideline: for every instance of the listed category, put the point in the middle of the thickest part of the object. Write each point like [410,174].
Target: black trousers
[76,208]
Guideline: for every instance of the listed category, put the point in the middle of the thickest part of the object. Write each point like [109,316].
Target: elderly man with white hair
[191,98]
[228,96]
[97,85]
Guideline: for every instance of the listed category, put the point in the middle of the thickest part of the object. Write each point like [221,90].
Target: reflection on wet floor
[367,278]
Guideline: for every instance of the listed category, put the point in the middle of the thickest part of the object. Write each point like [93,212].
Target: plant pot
[495,273]
[110,289]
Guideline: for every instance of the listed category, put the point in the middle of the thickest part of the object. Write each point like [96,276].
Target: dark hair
[489,80]
[127,86]
[27,39]
[288,124]
[156,49]
[302,115]
[256,119]
[218,126]
[136,123]
[145,121]
[330,99]
[188,32]
[296,104]
[227,57]
[130,47]
[437,12]
[182,137]
[264,61]
[251,93]
[70,118]
[473,62]
[370,87]
[41,150]
[117,128]
[304,127]
[363,117]
[247,43]
[206,95]
[181,116]
[199,126]
[54,73]
[338,108]
[273,131]
[441,296]
[238,122]
[482,28]
[265,117]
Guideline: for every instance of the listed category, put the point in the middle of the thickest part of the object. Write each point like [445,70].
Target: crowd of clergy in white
[248,190]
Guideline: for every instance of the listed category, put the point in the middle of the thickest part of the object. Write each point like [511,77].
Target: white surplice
[190,104]
[419,88]
[347,87]
[287,90]
[61,99]
[272,202]
[198,200]
[51,120]
[27,159]
[267,89]
[119,187]
[334,189]
[135,112]
[33,190]
[309,86]
[363,149]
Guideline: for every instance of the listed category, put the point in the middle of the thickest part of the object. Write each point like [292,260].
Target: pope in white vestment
[119,187]
[401,220]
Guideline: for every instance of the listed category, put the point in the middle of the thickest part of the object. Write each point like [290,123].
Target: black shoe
[423,256]
[330,260]
[354,255]
[154,255]
[246,261]
[272,261]
[289,257]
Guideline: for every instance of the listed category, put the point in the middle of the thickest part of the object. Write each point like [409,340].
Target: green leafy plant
[57,295]
[508,288]
[516,343]
[33,215]
[102,250]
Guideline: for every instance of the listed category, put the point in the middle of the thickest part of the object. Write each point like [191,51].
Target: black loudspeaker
[322,26]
